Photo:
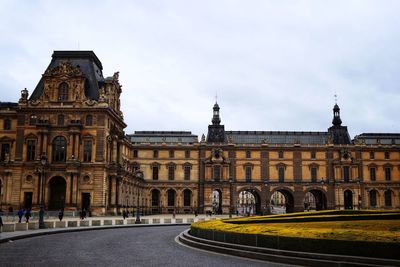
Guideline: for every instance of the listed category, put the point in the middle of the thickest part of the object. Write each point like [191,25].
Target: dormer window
[63,92]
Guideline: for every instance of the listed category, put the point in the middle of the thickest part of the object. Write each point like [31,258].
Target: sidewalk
[72,224]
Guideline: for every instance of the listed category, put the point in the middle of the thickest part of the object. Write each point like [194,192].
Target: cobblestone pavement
[144,246]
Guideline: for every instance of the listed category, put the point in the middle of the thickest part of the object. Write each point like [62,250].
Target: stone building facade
[64,146]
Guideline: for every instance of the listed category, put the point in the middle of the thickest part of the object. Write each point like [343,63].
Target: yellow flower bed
[371,230]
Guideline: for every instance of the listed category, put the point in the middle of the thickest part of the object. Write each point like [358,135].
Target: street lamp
[338,189]
[230,197]
[359,193]
[43,163]
[139,175]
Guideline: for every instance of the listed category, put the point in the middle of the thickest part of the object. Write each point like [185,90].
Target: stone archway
[348,199]
[281,201]
[315,199]
[57,191]
[249,202]
[216,201]
[155,201]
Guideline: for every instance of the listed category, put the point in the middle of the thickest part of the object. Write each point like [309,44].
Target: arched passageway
[315,199]
[217,201]
[348,199]
[155,201]
[281,201]
[373,203]
[248,202]
[57,189]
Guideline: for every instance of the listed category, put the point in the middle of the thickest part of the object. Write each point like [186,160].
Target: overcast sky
[275,65]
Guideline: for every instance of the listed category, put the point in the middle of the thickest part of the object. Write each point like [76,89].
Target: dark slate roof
[276,137]
[378,138]
[162,137]
[8,104]
[89,64]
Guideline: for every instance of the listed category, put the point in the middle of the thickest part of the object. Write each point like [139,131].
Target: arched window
[60,120]
[63,92]
[59,149]
[7,124]
[187,197]
[89,120]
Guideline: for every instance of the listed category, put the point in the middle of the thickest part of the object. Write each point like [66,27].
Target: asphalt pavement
[137,246]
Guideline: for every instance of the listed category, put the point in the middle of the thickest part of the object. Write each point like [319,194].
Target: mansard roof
[277,137]
[8,104]
[88,63]
[378,138]
[162,137]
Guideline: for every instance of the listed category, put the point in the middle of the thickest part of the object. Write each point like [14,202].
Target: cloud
[275,64]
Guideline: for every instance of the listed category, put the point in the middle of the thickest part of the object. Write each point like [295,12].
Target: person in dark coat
[61,214]
[27,215]
[20,215]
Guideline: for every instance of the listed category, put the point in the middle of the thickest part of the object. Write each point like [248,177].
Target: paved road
[146,246]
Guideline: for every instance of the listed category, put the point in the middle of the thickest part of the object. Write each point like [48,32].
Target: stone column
[77,146]
[71,193]
[114,150]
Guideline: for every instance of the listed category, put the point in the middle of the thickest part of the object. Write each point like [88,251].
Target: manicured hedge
[341,247]
[320,218]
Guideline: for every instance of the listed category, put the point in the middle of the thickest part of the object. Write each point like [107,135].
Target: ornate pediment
[217,157]
[64,69]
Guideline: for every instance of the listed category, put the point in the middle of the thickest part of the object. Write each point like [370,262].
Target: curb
[282,256]
[67,230]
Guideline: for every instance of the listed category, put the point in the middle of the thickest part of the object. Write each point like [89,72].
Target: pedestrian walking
[195,213]
[20,214]
[173,214]
[124,215]
[1,224]
[27,215]
[61,214]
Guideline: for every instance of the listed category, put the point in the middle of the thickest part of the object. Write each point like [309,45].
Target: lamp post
[338,189]
[230,197]
[359,193]
[139,175]
[43,163]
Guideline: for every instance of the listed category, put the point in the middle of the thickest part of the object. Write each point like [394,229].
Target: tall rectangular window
[171,172]
[87,151]
[187,172]
[388,173]
[30,150]
[281,173]
[171,153]
[346,174]
[372,174]
[314,174]
[155,154]
[313,155]
[248,173]
[155,172]
[217,173]
[5,152]
[135,153]
[280,154]
[387,155]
